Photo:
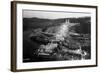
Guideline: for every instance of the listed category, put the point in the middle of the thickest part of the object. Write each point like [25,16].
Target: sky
[52,14]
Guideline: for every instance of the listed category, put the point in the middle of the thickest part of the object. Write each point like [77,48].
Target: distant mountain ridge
[40,23]
[34,23]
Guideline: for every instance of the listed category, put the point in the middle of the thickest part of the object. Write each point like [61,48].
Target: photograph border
[14,35]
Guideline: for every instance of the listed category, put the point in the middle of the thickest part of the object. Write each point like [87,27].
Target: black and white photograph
[49,36]
[56,36]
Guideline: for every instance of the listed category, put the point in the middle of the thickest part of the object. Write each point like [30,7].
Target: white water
[62,31]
